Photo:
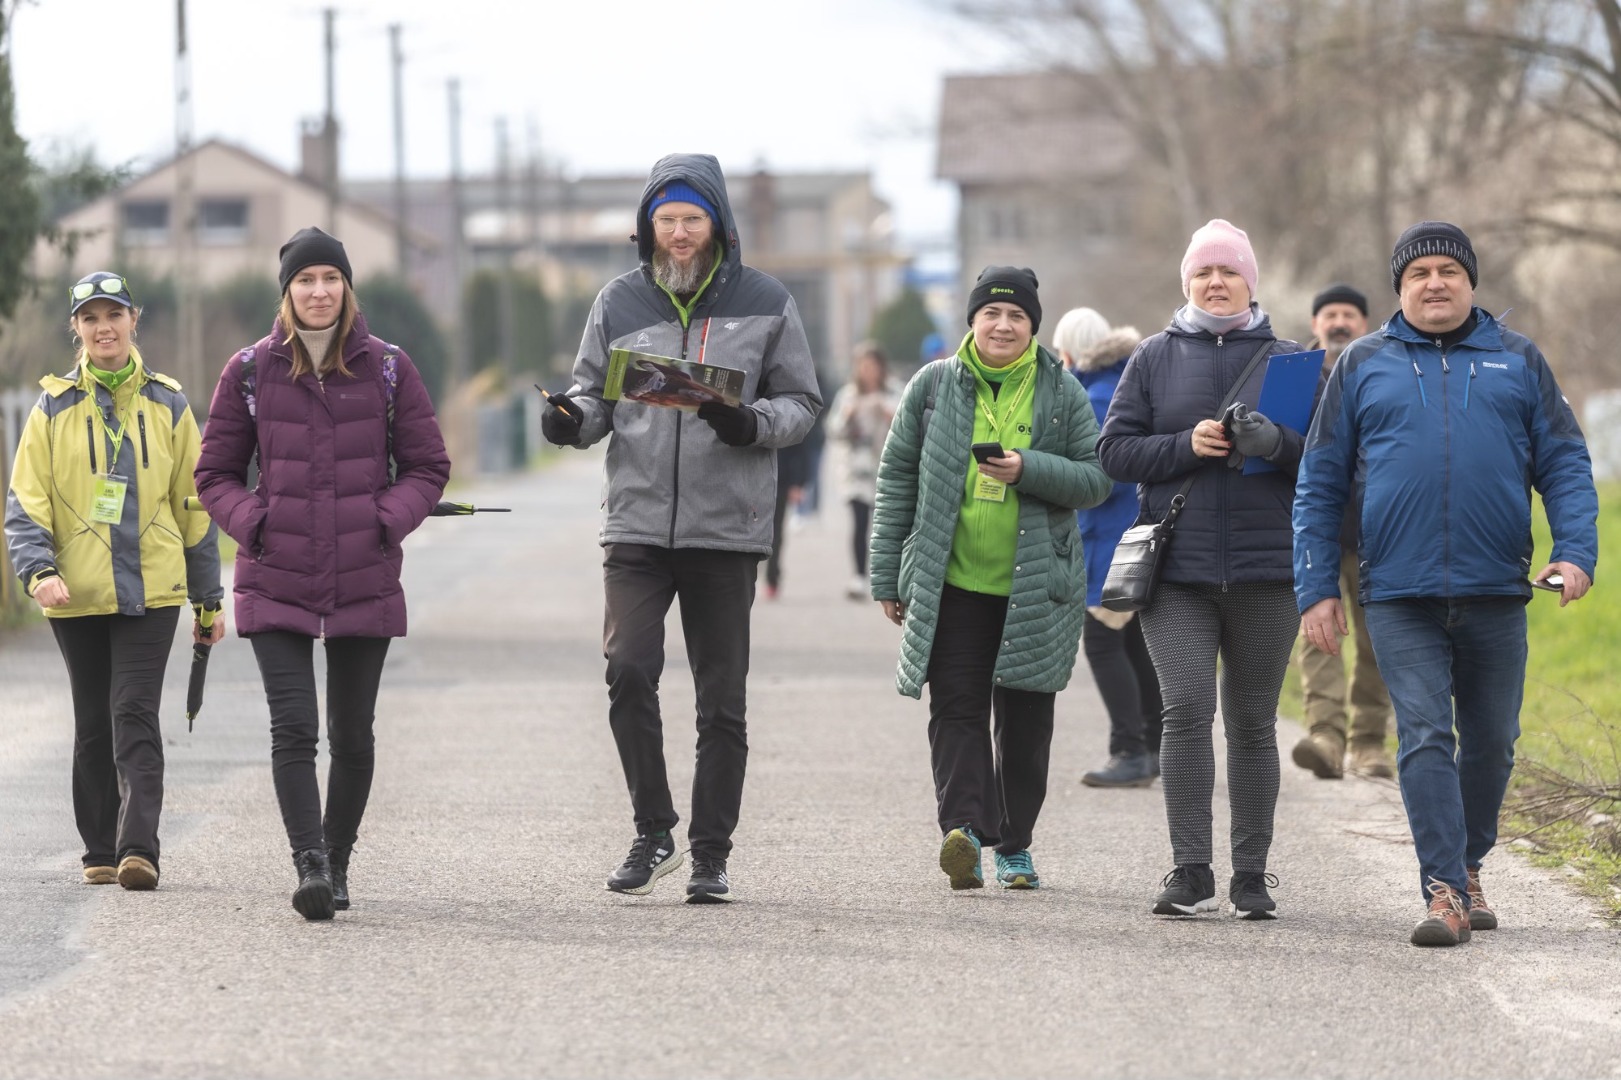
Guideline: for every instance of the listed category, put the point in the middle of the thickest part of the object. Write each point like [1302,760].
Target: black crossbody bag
[1140,555]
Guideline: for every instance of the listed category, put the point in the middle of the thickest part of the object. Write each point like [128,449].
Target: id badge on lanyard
[108,505]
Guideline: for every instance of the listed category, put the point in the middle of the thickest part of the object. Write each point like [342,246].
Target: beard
[682,279]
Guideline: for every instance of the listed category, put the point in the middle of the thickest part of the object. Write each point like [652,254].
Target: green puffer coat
[921,480]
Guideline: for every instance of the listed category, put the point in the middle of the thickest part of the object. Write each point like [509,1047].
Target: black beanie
[1339,293]
[1432,238]
[312,247]
[1013,284]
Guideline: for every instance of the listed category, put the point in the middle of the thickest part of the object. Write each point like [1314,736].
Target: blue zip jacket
[1099,371]
[1446,447]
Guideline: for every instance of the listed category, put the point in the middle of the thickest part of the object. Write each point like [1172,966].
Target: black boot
[313,897]
[339,857]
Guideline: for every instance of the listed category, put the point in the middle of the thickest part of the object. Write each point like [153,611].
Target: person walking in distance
[689,502]
[1113,641]
[1443,421]
[350,463]
[1339,315]
[1224,593]
[858,422]
[977,557]
[99,534]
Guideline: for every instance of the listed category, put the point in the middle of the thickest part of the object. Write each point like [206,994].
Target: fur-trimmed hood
[1110,349]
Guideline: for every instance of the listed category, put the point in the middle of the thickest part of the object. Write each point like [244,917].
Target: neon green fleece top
[987,533]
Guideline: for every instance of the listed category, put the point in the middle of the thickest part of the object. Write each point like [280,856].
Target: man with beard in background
[1339,315]
[689,501]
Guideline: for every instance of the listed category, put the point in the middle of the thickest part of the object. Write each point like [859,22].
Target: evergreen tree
[19,201]
[900,327]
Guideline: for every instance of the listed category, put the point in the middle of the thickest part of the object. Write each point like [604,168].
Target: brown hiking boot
[137,874]
[1323,752]
[1371,759]
[101,875]
[1447,921]
[1481,916]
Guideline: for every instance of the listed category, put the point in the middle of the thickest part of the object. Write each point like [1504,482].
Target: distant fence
[14,407]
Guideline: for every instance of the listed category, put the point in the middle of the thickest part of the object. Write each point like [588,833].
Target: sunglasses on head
[112,286]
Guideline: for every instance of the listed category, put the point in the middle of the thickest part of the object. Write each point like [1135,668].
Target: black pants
[715,590]
[354,669]
[860,536]
[997,792]
[115,668]
[1124,674]
[779,536]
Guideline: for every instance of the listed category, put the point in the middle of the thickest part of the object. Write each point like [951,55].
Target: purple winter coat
[319,537]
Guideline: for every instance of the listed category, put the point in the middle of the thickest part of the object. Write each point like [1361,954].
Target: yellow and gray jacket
[159,553]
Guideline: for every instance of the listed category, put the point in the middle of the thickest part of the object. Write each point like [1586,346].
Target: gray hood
[702,171]
[1108,350]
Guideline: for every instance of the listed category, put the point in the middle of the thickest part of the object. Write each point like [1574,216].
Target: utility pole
[329,127]
[536,256]
[400,241]
[503,198]
[183,227]
[461,359]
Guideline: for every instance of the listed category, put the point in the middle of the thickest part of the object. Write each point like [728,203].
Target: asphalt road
[482,942]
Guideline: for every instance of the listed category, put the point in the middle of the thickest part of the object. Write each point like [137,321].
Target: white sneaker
[857,589]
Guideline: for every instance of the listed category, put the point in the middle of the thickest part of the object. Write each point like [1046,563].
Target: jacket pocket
[1066,582]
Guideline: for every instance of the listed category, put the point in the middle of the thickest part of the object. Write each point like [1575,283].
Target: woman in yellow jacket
[98,532]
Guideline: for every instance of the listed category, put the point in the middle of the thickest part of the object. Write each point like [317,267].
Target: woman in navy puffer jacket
[325,405]
[1227,585]
[1112,640]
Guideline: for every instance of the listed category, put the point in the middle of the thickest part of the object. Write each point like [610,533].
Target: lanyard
[1012,404]
[117,440]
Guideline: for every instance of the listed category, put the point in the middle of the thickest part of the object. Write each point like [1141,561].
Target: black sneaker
[1188,890]
[650,858]
[708,884]
[1250,898]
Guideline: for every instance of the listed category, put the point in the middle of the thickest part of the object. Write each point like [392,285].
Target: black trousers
[779,536]
[992,777]
[354,669]
[715,590]
[1124,674]
[115,669]
[861,530]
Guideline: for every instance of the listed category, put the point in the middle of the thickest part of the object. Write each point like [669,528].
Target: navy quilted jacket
[1235,529]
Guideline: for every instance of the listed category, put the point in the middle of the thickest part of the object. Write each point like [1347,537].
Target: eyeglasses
[112,286]
[691,223]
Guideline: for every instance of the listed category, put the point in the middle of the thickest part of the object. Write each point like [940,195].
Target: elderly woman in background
[859,422]
[976,556]
[1226,587]
[1113,640]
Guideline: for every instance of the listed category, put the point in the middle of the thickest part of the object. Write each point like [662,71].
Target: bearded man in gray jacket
[689,501]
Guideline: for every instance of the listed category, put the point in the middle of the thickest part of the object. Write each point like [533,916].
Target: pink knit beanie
[1220,243]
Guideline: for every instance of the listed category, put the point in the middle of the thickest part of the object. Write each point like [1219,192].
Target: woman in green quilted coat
[979,563]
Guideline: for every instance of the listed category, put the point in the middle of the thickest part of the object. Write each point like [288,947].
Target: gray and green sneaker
[1016,871]
[959,858]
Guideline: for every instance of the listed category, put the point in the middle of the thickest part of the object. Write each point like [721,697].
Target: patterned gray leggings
[1252,628]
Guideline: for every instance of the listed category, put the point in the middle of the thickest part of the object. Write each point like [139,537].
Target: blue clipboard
[1287,395]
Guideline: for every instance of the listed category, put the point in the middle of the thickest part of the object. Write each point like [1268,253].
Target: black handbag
[1140,555]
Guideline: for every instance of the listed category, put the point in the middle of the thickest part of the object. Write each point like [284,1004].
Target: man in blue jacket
[1444,419]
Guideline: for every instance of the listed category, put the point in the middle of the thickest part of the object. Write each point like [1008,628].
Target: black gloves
[1252,434]
[734,425]
[560,421]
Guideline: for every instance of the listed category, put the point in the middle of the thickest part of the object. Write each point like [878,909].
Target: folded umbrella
[199,663]
[459,509]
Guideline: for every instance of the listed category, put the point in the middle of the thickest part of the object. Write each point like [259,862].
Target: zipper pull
[1445,370]
[1219,338]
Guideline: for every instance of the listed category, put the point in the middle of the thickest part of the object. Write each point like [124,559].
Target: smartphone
[1553,583]
[983,451]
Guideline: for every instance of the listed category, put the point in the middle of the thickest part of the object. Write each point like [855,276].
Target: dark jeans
[115,669]
[354,669]
[861,533]
[1435,654]
[991,778]
[1124,674]
[715,590]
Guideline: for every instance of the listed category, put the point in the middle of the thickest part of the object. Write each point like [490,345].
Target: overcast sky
[610,85]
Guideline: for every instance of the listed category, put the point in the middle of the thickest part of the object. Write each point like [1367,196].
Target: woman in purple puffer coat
[325,405]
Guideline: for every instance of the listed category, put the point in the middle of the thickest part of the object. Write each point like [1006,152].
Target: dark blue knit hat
[1432,238]
[680,192]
